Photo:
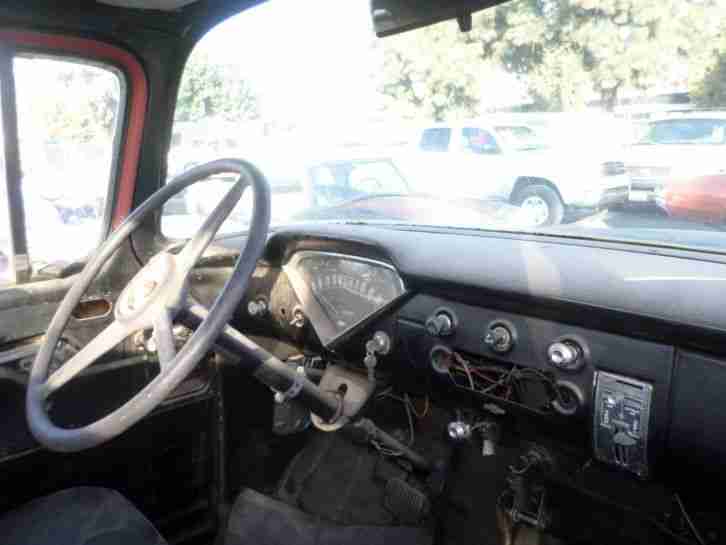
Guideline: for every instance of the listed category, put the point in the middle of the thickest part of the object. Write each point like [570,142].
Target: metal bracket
[294,389]
[357,390]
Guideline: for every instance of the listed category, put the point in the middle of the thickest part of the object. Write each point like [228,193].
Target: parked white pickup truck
[513,163]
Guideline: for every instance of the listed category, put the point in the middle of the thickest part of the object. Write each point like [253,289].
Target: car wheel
[541,205]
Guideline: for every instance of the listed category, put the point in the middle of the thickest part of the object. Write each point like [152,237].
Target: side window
[67,115]
[435,139]
[479,141]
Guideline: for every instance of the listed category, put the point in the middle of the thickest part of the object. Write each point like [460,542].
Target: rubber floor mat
[260,520]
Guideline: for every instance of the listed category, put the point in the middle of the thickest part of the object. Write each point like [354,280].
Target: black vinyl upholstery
[78,516]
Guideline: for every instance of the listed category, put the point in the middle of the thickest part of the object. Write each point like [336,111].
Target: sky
[309,60]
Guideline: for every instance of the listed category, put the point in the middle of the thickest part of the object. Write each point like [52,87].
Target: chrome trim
[302,254]
[312,307]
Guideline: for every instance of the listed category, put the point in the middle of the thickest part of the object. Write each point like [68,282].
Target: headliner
[117,19]
[163,5]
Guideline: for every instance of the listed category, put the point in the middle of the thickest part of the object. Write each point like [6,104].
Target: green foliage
[567,53]
[213,90]
[432,73]
[710,91]
[77,103]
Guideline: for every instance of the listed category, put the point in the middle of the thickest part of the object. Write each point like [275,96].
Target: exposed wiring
[479,378]
[413,406]
[409,415]
[465,365]
[410,411]
[692,526]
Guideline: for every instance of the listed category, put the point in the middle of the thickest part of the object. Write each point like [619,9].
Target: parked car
[702,198]
[513,163]
[332,182]
[82,198]
[318,184]
[48,235]
[420,209]
[682,146]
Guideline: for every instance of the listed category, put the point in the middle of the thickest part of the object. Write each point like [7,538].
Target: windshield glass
[564,117]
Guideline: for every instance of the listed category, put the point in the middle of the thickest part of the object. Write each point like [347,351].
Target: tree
[710,91]
[77,103]
[432,73]
[567,52]
[573,50]
[213,90]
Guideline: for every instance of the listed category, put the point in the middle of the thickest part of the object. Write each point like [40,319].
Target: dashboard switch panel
[620,422]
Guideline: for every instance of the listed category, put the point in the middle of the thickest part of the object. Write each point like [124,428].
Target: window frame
[128,133]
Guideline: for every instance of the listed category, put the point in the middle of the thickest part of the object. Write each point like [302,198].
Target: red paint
[700,199]
[135,107]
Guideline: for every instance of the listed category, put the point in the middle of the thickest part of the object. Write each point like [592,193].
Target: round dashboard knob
[565,355]
[499,338]
[441,324]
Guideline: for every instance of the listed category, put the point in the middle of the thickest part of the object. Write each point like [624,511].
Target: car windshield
[562,117]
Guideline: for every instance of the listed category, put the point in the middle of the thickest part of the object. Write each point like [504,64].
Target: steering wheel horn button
[147,286]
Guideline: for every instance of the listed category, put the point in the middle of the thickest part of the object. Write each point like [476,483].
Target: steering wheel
[152,299]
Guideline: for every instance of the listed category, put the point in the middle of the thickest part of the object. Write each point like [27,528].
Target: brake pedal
[407,503]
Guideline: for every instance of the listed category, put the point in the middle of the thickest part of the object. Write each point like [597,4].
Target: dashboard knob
[441,324]
[499,338]
[459,431]
[257,307]
[565,355]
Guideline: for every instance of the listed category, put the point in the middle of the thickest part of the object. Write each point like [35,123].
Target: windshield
[555,116]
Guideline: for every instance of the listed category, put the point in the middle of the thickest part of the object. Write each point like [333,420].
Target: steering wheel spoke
[164,338]
[193,250]
[110,337]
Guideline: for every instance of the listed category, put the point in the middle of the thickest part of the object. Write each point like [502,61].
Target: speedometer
[340,291]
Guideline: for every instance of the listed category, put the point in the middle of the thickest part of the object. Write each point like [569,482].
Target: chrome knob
[459,431]
[565,355]
[499,339]
[440,325]
[257,308]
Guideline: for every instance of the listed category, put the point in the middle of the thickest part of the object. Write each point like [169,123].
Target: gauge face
[342,290]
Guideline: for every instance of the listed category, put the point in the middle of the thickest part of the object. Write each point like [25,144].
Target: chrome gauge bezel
[325,329]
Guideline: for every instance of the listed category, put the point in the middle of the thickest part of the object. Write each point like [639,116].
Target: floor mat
[261,520]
